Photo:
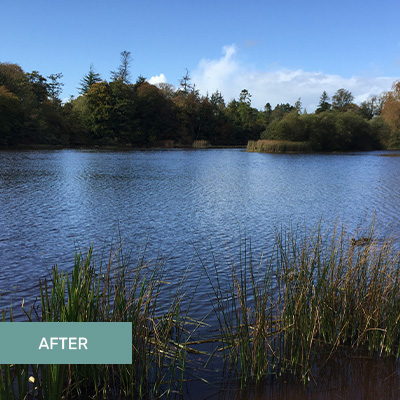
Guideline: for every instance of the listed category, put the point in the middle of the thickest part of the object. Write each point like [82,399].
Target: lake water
[178,202]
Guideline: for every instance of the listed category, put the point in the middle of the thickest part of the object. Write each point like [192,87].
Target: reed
[313,296]
[119,292]
[285,313]
[278,146]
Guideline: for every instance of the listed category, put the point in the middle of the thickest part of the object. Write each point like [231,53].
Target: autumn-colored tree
[391,113]
[14,79]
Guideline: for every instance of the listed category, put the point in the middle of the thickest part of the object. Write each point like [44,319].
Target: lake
[178,203]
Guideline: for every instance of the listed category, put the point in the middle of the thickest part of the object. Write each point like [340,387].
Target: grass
[117,293]
[283,314]
[278,146]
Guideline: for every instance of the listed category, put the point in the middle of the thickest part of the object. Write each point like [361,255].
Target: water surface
[178,203]
[53,202]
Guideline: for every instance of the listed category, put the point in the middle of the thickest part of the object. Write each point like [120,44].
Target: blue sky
[278,50]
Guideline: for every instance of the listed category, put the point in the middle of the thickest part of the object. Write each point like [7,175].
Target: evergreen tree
[324,104]
[54,88]
[88,80]
[123,73]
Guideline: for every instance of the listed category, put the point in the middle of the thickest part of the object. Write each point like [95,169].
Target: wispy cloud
[281,85]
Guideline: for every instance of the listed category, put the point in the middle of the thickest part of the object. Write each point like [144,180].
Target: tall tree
[186,87]
[10,116]
[39,85]
[298,105]
[88,80]
[342,100]
[55,88]
[324,104]
[123,72]
[15,80]
[281,110]
[217,101]
[391,113]
[167,89]
[185,83]
[245,97]
[372,107]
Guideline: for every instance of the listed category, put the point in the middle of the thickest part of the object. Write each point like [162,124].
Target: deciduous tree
[10,113]
[342,100]
[391,113]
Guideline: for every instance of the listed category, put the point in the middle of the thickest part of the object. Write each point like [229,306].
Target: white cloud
[158,79]
[228,75]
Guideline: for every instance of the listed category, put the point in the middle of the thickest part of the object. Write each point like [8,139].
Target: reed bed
[285,314]
[312,297]
[119,292]
[278,146]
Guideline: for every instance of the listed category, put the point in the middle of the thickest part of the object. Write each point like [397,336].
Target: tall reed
[278,146]
[119,292]
[312,296]
[287,312]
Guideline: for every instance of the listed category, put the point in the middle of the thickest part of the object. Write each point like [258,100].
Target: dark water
[53,202]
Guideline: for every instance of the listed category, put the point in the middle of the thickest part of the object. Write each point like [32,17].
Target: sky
[279,51]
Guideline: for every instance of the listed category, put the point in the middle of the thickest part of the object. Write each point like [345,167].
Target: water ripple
[180,202]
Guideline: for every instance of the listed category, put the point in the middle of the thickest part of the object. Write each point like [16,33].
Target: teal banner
[65,343]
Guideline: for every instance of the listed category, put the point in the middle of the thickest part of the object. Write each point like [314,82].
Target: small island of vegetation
[121,113]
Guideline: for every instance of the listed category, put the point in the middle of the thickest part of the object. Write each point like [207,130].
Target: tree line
[118,112]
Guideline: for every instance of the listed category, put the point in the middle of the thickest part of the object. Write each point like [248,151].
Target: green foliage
[101,105]
[38,117]
[54,88]
[154,113]
[324,104]
[88,80]
[39,86]
[120,113]
[123,72]
[13,78]
[246,120]
[371,107]
[122,291]
[342,100]
[290,128]
[10,112]
[329,131]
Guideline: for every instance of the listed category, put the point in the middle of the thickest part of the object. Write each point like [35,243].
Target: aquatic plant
[120,292]
[278,146]
[286,313]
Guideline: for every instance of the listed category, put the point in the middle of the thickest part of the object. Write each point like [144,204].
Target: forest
[118,112]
